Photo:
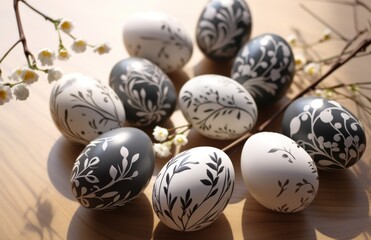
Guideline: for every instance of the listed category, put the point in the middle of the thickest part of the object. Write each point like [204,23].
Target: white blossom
[160,134]
[66,25]
[21,92]
[299,60]
[54,74]
[16,74]
[5,94]
[46,56]
[162,149]
[292,39]
[29,76]
[312,69]
[63,54]
[180,140]
[102,48]
[79,46]
[326,34]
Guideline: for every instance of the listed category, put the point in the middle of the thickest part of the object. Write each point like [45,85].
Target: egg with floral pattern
[265,66]
[82,108]
[217,107]
[329,132]
[148,95]
[113,169]
[159,38]
[193,188]
[223,27]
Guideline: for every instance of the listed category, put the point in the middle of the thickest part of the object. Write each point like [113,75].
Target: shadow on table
[208,66]
[60,162]
[220,229]
[132,221]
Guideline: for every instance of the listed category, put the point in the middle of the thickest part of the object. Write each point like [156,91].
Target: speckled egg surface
[113,169]
[265,67]
[218,107]
[148,95]
[223,27]
[330,133]
[83,108]
[159,38]
[193,188]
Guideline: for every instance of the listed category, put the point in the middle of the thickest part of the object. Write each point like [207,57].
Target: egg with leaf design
[265,66]
[329,132]
[113,169]
[193,188]
[217,107]
[148,95]
[278,173]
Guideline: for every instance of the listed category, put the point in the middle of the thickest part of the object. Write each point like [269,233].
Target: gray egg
[223,28]
[113,169]
[148,95]
[331,134]
[265,66]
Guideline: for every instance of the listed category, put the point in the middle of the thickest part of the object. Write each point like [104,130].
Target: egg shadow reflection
[220,229]
[60,162]
[261,223]
[341,207]
[208,66]
[132,221]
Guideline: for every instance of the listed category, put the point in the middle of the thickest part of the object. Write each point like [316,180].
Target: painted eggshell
[113,169]
[217,107]
[223,27]
[193,188]
[265,66]
[330,133]
[159,38]
[83,108]
[278,173]
[147,93]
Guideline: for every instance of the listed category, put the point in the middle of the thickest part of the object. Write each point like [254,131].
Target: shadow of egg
[178,78]
[261,223]
[208,66]
[341,208]
[240,190]
[220,229]
[61,158]
[132,221]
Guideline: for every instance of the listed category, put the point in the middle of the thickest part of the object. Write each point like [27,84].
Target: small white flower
[21,92]
[16,74]
[160,134]
[63,54]
[79,46]
[102,48]
[5,94]
[29,76]
[46,56]
[54,74]
[180,140]
[326,34]
[299,60]
[292,39]
[162,149]
[312,69]
[66,25]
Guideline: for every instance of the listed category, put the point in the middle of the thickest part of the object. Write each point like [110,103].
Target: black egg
[113,169]
[223,27]
[148,95]
[265,66]
[330,133]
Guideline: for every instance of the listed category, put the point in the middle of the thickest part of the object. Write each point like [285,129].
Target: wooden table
[35,196]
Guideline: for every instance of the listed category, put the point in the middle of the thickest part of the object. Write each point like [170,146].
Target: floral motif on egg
[196,213]
[224,26]
[265,67]
[329,133]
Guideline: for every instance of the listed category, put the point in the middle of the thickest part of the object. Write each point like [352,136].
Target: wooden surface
[35,197]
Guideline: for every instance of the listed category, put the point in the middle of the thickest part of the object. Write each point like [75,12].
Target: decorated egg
[265,66]
[82,108]
[217,107]
[159,38]
[193,188]
[147,93]
[113,169]
[223,27]
[278,173]
[330,133]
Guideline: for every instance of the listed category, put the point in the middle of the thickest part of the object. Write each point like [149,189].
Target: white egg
[218,107]
[278,173]
[83,108]
[193,188]
[159,38]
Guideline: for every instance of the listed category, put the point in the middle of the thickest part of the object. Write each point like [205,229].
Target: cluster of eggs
[194,187]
